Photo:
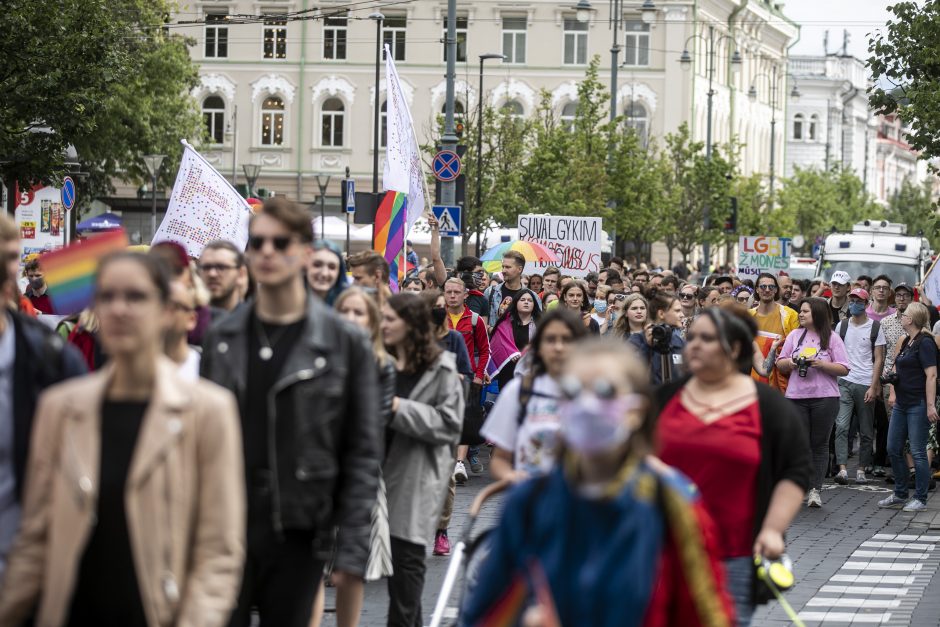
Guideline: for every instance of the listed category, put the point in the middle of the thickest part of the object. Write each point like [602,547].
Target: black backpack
[843,329]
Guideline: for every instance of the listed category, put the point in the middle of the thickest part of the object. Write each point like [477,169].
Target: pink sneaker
[441,543]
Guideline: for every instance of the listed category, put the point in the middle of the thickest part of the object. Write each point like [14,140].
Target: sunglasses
[767,288]
[686,296]
[620,297]
[280,242]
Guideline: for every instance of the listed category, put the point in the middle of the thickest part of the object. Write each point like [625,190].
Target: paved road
[855,563]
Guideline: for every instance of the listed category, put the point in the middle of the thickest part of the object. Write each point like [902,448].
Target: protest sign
[576,241]
[203,207]
[762,253]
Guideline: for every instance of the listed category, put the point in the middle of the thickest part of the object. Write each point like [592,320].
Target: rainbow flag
[390,233]
[70,271]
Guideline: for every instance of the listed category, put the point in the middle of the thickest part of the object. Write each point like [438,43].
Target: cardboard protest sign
[763,253]
[576,241]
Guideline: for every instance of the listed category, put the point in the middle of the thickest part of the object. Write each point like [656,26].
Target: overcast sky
[858,17]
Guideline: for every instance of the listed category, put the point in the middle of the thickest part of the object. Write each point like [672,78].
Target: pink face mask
[595,421]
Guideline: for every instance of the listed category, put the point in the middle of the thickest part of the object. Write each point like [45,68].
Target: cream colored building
[297,96]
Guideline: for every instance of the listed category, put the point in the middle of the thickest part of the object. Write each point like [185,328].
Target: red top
[476,339]
[722,459]
[42,303]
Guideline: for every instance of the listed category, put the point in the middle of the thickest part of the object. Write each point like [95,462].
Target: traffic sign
[446,165]
[449,219]
[68,193]
[350,196]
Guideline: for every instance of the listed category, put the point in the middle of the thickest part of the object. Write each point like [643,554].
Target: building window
[331,123]
[514,39]
[393,35]
[637,45]
[461,39]
[458,111]
[216,36]
[638,120]
[334,38]
[575,42]
[383,125]
[272,122]
[213,114]
[568,114]
[813,125]
[798,126]
[513,109]
[275,39]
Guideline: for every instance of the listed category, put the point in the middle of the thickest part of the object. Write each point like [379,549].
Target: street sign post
[350,196]
[68,193]
[446,165]
[448,216]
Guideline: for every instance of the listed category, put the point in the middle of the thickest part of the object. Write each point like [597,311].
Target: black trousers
[881,434]
[407,584]
[281,578]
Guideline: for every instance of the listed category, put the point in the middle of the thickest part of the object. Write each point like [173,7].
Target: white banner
[758,254]
[576,241]
[403,168]
[931,285]
[203,207]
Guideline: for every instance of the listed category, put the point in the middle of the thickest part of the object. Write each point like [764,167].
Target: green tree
[905,54]
[913,205]
[637,186]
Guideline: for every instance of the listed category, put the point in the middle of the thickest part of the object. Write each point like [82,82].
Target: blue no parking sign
[68,193]
[446,166]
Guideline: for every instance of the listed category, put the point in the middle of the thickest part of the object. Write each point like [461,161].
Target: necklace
[266,352]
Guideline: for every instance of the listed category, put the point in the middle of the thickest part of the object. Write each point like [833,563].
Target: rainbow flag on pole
[390,232]
[70,271]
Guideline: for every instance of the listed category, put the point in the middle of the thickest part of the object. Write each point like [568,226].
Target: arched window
[513,109]
[637,119]
[213,114]
[272,122]
[568,113]
[798,126]
[458,110]
[383,125]
[331,122]
[813,126]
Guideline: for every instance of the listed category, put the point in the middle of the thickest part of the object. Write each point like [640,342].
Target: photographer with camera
[660,346]
[470,270]
[815,358]
[913,397]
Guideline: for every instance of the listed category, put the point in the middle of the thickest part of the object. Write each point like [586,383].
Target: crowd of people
[213,440]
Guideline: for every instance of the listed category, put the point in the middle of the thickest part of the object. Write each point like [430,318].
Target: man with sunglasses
[469,269]
[774,323]
[307,384]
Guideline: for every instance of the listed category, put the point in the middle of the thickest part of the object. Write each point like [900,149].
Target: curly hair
[421,349]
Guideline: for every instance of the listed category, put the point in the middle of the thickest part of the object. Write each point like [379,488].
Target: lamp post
[378,17]
[252,170]
[479,174]
[752,96]
[686,60]
[153,163]
[323,185]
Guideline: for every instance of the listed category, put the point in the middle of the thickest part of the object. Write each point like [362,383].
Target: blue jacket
[652,358]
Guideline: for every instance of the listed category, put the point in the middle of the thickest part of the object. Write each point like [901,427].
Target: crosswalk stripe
[889,566]
[829,589]
[845,617]
[874,579]
[890,555]
[899,545]
[885,604]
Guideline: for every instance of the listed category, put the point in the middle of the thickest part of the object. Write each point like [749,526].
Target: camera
[889,379]
[661,338]
[802,365]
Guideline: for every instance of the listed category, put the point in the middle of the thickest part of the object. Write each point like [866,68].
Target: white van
[876,247]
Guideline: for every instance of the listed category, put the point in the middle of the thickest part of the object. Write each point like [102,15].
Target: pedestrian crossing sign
[449,219]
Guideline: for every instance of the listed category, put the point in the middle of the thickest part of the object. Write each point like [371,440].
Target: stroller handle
[487,492]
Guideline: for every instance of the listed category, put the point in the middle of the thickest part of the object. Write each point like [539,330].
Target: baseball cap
[840,276]
[904,286]
[860,293]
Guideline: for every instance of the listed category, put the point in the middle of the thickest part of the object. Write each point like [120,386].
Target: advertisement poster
[763,253]
[576,241]
[40,218]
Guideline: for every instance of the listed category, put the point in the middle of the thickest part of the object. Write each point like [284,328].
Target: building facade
[895,160]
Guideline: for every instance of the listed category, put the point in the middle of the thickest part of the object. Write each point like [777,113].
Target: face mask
[438,315]
[600,306]
[592,424]
[856,309]
[36,283]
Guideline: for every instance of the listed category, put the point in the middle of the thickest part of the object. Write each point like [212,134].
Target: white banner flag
[403,168]
[203,207]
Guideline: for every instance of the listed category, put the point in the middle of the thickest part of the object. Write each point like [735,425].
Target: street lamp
[711,43]
[323,185]
[153,163]
[752,96]
[479,175]
[252,170]
[648,12]
[583,11]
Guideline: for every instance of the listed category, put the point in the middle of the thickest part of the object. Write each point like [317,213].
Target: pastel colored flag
[203,207]
[70,271]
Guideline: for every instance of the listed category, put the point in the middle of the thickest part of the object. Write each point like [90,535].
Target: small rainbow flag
[70,271]
[390,232]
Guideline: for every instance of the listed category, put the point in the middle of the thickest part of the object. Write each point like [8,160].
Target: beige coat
[184,499]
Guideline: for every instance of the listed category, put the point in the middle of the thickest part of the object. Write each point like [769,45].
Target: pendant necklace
[266,352]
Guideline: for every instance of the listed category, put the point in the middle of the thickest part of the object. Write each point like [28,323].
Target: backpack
[843,329]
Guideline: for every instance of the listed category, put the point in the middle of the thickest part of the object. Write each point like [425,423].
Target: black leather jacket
[325,465]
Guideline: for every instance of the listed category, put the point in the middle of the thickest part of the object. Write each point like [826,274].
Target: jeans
[909,423]
[819,414]
[739,575]
[407,584]
[852,398]
[881,433]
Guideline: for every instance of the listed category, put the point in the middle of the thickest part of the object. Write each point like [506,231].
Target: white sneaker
[842,478]
[460,473]
[860,477]
[915,505]
[891,501]
[814,500]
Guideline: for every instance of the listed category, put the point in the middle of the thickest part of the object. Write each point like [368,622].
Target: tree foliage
[913,205]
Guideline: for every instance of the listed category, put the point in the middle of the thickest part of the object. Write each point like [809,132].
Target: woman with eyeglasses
[326,274]
[610,536]
[814,358]
[134,512]
[743,295]
[739,442]
[635,316]
[615,300]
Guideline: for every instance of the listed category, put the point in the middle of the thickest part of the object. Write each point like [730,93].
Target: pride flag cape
[390,220]
[502,347]
[70,271]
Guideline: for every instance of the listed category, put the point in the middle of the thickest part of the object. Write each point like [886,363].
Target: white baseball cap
[840,276]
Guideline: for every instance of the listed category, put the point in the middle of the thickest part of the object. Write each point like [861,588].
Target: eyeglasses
[280,242]
[686,296]
[881,288]
[902,295]
[767,287]
[743,299]
[207,268]
[620,297]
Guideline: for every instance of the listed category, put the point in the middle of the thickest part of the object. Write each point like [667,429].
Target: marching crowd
[213,440]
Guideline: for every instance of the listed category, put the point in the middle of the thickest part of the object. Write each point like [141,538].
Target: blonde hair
[622,326]
[375,320]
[919,315]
